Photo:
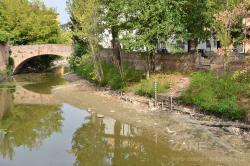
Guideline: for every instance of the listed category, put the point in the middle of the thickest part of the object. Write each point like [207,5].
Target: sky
[60,6]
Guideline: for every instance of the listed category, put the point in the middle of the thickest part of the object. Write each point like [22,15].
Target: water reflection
[34,130]
[107,142]
[6,101]
[28,126]
[28,115]
[41,83]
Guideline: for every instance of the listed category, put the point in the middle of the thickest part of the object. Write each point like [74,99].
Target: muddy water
[45,121]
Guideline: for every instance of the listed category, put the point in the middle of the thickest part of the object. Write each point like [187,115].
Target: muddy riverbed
[45,120]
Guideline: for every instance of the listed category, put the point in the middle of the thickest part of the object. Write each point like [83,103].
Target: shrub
[84,66]
[217,95]
[117,79]
[113,77]
[241,76]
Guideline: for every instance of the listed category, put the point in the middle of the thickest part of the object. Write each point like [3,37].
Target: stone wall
[165,62]
[183,62]
[236,62]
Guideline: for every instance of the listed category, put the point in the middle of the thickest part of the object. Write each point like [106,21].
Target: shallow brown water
[44,122]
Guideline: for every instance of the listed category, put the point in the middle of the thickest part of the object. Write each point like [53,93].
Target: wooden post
[155,93]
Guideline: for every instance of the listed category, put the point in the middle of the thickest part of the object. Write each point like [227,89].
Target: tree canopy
[27,22]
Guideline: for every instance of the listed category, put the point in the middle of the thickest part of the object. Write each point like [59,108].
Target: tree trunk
[148,68]
[189,45]
[152,61]
[97,63]
[116,47]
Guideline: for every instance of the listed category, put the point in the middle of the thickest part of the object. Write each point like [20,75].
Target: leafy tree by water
[152,20]
[27,22]
[87,27]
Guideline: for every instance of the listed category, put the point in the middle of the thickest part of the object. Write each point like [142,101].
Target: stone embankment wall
[183,62]
[235,62]
[165,62]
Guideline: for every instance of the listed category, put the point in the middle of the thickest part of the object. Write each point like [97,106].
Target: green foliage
[197,20]
[113,78]
[147,87]
[27,22]
[217,95]
[3,36]
[10,66]
[152,20]
[84,66]
[242,76]
[87,27]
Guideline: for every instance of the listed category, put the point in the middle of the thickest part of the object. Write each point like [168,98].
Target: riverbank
[3,76]
[178,128]
[178,85]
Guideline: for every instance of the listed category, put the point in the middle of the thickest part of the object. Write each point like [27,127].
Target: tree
[151,21]
[86,13]
[197,21]
[27,22]
[227,22]
[114,20]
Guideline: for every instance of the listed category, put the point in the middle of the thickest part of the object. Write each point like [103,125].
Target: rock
[112,111]
[100,116]
[154,109]
[150,104]
[233,130]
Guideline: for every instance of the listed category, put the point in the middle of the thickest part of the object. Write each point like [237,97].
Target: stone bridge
[24,96]
[22,54]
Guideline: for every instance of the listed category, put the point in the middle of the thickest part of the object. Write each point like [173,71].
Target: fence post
[155,93]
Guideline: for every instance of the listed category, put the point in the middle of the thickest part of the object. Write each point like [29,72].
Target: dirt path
[178,84]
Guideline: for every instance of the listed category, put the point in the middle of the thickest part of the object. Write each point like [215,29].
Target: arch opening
[37,64]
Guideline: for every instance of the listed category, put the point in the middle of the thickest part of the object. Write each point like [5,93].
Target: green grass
[217,94]
[147,87]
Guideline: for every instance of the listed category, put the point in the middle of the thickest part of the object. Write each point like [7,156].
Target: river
[47,121]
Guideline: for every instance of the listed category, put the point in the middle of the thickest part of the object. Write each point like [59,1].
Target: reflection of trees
[93,147]
[6,101]
[88,144]
[28,126]
[40,82]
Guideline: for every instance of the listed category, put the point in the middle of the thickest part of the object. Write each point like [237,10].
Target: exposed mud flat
[220,146]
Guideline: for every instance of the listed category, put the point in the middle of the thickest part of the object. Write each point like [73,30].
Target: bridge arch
[22,54]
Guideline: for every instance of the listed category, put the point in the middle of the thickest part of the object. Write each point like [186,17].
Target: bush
[217,95]
[147,87]
[84,66]
[241,76]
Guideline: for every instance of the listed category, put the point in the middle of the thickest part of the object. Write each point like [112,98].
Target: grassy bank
[127,79]
[219,94]
[147,87]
